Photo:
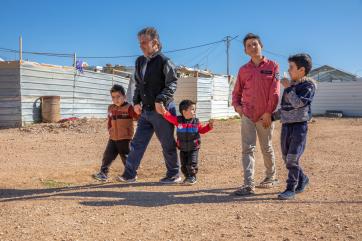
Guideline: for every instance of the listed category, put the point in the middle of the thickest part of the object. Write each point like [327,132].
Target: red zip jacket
[188,131]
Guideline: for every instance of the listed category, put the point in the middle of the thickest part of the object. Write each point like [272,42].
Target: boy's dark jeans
[293,141]
[189,163]
[151,122]
[114,148]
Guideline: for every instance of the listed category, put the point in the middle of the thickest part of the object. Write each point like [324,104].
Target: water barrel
[50,109]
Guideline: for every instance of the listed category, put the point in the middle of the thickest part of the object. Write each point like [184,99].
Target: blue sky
[331,31]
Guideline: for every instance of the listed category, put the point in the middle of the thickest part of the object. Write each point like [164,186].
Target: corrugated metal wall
[211,95]
[196,89]
[10,108]
[82,94]
[343,96]
[186,89]
[204,93]
[220,98]
[87,94]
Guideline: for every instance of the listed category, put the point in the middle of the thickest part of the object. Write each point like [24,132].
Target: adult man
[156,81]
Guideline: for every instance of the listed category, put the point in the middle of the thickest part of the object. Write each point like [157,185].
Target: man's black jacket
[157,84]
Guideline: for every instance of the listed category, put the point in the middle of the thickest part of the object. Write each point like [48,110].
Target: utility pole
[74,60]
[20,48]
[228,38]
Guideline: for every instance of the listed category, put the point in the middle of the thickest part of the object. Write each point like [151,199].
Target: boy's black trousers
[189,162]
[113,149]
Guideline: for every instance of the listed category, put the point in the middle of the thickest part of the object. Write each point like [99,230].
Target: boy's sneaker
[100,176]
[123,178]
[268,183]
[302,185]
[190,181]
[245,190]
[286,195]
[171,180]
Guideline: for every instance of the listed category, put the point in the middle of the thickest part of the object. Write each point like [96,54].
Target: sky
[330,31]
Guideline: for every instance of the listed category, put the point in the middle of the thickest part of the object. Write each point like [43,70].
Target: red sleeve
[238,91]
[109,116]
[204,129]
[274,92]
[170,118]
[132,114]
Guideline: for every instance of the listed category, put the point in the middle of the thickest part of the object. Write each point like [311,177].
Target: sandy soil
[47,193]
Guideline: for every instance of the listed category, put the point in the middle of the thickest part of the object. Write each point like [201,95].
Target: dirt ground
[47,193]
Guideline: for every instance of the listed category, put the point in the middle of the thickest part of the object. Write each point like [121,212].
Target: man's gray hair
[152,33]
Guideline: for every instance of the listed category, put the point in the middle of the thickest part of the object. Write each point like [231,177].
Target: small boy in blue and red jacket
[188,133]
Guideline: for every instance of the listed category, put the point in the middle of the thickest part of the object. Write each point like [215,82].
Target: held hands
[137,109]
[160,108]
[266,120]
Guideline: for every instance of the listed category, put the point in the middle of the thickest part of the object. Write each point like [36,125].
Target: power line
[106,57]
[197,46]
[133,56]
[205,56]
[36,53]
[199,56]
[8,50]
[278,54]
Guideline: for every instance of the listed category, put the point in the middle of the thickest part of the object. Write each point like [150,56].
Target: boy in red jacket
[120,127]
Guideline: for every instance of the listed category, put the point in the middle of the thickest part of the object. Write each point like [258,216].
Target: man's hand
[266,120]
[239,110]
[285,82]
[160,108]
[211,123]
[137,109]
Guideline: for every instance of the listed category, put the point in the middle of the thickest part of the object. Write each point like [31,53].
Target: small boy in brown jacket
[121,130]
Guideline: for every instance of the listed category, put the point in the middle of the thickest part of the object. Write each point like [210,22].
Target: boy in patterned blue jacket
[295,112]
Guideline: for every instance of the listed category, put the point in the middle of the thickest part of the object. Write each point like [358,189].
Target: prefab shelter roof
[318,73]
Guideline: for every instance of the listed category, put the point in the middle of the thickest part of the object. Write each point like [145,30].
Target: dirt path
[46,192]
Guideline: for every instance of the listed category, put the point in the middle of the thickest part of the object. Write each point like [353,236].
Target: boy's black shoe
[171,180]
[245,190]
[100,176]
[123,178]
[302,185]
[286,195]
[190,180]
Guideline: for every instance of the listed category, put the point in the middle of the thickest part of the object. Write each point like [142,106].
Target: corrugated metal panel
[186,89]
[220,88]
[204,93]
[10,110]
[344,96]
[82,94]
[220,101]
[211,95]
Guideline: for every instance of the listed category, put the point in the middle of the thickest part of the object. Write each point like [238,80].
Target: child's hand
[160,108]
[211,123]
[285,82]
